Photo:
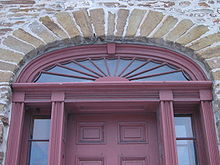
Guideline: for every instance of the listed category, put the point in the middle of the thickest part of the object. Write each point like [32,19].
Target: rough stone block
[210,52]
[97,19]
[205,42]
[23,35]
[67,22]
[82,19]
[193,34]
[111,24]
[168,23]
[10,56]
[7,66]
[53,27]
[150,23]
[42,32]
[134,21]
[121,21]
[181,28]
[17,45]
[5,76]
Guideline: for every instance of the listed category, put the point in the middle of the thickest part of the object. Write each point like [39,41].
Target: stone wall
[30,28]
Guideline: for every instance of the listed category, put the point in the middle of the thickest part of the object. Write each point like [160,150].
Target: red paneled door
[106,139]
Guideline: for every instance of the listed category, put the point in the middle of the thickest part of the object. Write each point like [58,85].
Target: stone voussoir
[205,41]
[168,23]
[97,19]
[193,34]
[10,56]
[111,24]
[5,76]
[134,21]
[121,22]
[181,28]
[7,66]
[18,45]
[42,32]
[66,21]
[214,62]
[52,26]
[25,36]
[82,19]
[150,23]
[216,75]
[209,53]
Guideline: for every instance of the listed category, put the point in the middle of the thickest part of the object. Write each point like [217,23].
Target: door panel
[112,139]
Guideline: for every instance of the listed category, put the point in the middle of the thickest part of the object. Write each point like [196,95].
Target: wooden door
[119,139]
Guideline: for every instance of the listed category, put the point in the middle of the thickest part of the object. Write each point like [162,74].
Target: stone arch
[94,26]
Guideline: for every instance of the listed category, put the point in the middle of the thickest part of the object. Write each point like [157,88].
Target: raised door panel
[103,139]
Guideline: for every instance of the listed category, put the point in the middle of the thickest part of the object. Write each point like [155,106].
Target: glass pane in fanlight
[77,67]
[111,65]
[101,65]
[55,78]
[41,129]
[134,65]
[177,76]
[122,64]
[39,153]
[162,69]
[61,70]
[88,64]
[186,152]
[183,127]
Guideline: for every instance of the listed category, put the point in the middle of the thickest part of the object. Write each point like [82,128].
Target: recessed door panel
[112,139]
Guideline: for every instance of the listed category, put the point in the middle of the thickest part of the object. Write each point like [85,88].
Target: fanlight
[114,69]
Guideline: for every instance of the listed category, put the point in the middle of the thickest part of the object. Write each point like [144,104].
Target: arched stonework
[94,26]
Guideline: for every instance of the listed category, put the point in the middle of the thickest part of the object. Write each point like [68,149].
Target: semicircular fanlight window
[121,68]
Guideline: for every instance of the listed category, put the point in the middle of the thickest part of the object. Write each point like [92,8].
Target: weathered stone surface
[214,62]
[152,20]
[53,27]
[7,55]
[179,30]
[7,66]
[193,34]
[205,42]
[210,52]
[168,23]
[4,120]
[82,19]
[111,24]
[23,35]
[97,19]
[42,32]
[17,45]
[134,21]
[5,76]
[216,75]
[67,22]
[17,2]
[121,21]
[1,132]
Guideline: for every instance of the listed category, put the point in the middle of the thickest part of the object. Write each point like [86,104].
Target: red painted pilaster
[209,133]
[168,137]
[15,131]
[56,153]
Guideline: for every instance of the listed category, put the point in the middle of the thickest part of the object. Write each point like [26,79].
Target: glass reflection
[183,126]
[41,129]
[39,153]
[186,152]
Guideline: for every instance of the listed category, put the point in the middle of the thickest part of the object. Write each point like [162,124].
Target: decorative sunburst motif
[111,69]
